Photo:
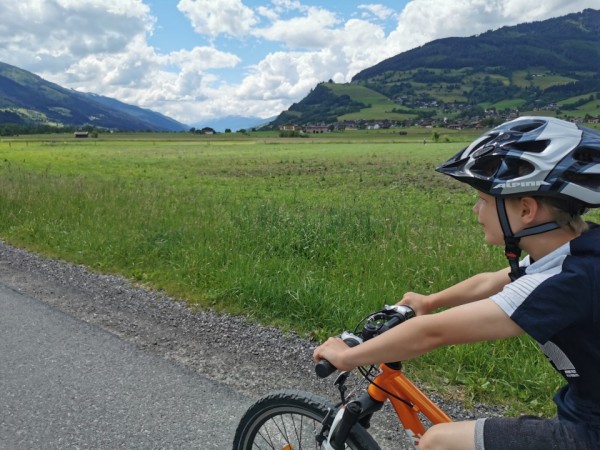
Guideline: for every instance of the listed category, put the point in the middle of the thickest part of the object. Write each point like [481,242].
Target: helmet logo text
[521,184]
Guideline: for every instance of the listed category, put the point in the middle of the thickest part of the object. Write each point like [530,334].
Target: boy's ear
[529,209]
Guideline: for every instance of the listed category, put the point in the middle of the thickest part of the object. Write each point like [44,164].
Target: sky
[198,60]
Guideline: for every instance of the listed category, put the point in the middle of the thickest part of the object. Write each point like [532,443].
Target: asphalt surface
[66,383]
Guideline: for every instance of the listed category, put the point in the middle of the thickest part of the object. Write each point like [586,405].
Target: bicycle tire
[290,419]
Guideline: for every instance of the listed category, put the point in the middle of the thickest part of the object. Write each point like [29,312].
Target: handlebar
[376,324]
[324,368]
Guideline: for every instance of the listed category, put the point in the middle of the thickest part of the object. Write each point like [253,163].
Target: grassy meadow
[308,234]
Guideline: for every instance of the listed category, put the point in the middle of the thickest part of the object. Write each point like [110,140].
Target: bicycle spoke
[286,432]
[281,429]
[268,441]
[299,435]
[298,431]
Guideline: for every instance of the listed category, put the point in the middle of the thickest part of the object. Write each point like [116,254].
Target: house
[290,127]
[81,134]
[316,129]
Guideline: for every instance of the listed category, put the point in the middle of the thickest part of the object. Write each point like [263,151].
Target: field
[379,105]
[306,234]
[541,79]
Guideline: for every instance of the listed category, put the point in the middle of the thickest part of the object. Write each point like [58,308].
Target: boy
[534,177]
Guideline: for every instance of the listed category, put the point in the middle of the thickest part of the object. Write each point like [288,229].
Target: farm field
[308,235]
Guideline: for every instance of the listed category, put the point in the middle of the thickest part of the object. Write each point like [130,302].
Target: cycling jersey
[557,302]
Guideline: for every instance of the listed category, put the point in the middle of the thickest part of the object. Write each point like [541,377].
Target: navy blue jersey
[557,302]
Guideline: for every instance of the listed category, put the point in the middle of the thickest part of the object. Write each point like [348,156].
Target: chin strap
[511,240]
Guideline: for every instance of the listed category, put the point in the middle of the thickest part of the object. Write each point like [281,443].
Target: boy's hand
[418,302]
[333,350]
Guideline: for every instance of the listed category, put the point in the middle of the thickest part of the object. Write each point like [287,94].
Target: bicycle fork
[349,414]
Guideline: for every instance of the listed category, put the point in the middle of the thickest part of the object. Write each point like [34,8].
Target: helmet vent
[531,146]
[482,146]
[487,166]
[587,155]
[589,181]
[528,126]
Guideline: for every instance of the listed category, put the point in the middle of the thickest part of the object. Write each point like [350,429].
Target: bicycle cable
[367,375]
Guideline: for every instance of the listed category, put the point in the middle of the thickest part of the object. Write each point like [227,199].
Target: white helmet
[533,156]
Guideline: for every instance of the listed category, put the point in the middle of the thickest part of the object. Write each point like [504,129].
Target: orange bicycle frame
[414,401]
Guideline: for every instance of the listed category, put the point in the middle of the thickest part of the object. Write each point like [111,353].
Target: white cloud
[362,43]
[314,30]
[382,12]
[49,35]
[214,17]
[202,58]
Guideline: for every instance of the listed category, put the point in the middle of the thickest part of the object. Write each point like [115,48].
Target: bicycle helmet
[535,156]
[532,156]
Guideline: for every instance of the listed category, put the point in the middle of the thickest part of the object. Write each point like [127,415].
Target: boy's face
[487,216]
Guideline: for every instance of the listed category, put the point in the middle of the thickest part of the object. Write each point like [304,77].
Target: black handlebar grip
[324,368]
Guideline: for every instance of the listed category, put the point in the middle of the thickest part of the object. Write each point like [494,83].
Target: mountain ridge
[557,33]
[547,66]
[28,100]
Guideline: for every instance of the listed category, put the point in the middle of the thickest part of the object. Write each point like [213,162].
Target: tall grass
[309,237]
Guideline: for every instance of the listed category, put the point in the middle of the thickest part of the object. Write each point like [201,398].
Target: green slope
[535,67]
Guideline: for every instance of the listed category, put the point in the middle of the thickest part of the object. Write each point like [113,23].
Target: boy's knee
[449,436]
[432,439]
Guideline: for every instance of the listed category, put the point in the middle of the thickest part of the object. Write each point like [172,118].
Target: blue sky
[174,31]
[199,60]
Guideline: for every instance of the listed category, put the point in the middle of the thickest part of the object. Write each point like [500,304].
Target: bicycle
[294,420]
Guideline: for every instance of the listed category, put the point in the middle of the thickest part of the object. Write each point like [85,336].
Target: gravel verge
[251,359]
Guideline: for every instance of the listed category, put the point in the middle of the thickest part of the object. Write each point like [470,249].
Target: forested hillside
[551,66]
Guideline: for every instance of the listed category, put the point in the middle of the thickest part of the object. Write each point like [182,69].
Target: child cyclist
[534,178]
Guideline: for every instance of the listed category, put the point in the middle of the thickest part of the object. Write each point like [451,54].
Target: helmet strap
[512,251]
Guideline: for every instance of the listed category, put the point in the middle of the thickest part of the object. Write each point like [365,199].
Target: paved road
[67,384]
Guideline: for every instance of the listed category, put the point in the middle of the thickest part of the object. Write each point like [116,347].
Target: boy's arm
[478,321]
[479,286]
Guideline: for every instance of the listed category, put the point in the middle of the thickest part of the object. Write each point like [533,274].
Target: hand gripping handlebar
[374,325]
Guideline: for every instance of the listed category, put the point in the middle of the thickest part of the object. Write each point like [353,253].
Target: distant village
[488,120]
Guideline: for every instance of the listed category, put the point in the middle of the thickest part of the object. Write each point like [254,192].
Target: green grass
[308,235]
[541,79]
[360,93]
[590,107]
[380,106]
[508,104]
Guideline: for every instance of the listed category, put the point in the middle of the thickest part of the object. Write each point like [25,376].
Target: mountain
[28,100]
[147,116]
[321,105]
[233,123]
[563,44]
[551,66]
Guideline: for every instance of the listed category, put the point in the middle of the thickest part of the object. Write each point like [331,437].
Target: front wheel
[291,420]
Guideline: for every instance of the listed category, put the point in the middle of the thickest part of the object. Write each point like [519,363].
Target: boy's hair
[566,213]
